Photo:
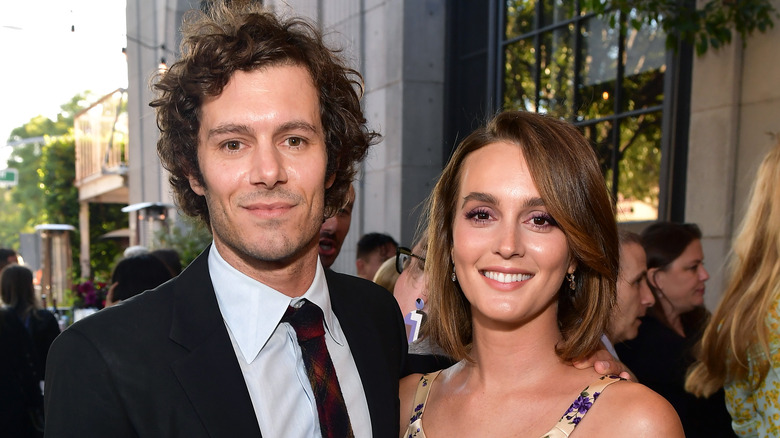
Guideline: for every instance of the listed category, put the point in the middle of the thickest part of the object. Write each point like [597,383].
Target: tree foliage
[46,193]
[543,75]
[711,25]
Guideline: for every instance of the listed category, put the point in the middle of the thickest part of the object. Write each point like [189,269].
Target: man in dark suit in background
[261,131]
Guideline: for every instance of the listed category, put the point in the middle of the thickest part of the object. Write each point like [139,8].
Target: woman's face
[411,283]
[510,256]
[682,283]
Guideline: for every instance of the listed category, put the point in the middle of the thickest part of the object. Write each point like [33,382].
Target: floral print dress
[755,406]
[565,426]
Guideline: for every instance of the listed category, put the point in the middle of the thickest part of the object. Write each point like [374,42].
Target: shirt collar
[252,310]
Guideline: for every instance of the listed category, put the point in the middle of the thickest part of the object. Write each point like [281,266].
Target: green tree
[46,194]
[710,25]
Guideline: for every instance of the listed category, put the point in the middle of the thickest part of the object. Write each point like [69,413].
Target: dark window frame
[463,113]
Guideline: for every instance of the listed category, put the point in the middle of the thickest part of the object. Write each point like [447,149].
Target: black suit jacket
[162,365]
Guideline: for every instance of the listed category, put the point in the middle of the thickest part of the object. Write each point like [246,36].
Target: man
[7,257]
[372,250]
[334,230]
[633,294]
[261,131]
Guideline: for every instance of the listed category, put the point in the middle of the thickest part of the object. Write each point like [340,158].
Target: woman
[18,293]
[664,348]
[741,343]
[387,275]
[522,263]
[26,332]
[412,295]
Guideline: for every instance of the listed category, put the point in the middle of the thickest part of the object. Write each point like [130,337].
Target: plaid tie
[332,411]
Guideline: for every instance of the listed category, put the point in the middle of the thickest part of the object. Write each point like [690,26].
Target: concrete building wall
[735,105]
[152,35]
[398,47]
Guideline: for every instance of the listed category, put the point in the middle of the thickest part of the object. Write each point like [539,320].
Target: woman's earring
[453,276]
[414,320]
[572,283]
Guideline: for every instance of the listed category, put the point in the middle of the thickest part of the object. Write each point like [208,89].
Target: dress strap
[572,417]
[420,399]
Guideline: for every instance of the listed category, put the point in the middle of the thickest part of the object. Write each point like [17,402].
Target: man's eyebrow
[230,128]
[240,128]
[294,125]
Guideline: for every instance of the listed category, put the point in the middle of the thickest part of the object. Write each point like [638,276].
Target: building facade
[679,136]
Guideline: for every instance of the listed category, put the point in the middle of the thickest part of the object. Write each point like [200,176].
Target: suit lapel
[365,345]
[209,373]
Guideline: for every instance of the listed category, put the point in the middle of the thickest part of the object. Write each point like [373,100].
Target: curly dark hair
[242,36]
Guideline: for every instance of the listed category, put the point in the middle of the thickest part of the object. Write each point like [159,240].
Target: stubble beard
[276,247]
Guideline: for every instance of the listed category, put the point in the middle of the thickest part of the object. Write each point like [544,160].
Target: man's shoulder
[142,312]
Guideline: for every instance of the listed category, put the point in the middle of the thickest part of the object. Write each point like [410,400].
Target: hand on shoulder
[631,409]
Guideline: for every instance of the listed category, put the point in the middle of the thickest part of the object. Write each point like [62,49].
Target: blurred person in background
[372,250]
[334,230]
[411,292]
[387,275]
[18,294]
[136,274]
[26,332]
[171,258]
[633,295]
[666,344]
[741,345]
[7,257]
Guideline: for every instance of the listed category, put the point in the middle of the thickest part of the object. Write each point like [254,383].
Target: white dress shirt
[270,357]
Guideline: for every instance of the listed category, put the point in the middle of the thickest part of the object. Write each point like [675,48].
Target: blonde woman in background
[741,346]
[386,275]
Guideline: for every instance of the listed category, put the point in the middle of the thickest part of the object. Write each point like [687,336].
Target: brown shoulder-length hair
[564,169]
[241,36]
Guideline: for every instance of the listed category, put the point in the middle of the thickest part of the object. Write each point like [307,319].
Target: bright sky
[44,64]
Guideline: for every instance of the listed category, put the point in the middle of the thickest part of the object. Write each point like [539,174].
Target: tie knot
[306,320]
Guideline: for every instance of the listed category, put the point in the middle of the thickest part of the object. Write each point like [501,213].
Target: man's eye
[294,141]
[232,145]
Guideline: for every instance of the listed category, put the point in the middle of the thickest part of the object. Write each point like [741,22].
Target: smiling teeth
[506,278]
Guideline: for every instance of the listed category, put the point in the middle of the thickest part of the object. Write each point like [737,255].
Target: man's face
[633,294]
[334,231]
[263,158]
[367,266]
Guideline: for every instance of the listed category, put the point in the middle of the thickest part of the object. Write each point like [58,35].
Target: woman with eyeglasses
[521,269]
[411,293]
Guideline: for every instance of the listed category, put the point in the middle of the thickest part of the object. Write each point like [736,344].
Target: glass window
[608,81]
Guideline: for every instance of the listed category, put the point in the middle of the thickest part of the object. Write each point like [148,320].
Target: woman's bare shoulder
[631,409]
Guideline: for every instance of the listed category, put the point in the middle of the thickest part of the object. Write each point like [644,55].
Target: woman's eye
[539,220]
[478,215]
